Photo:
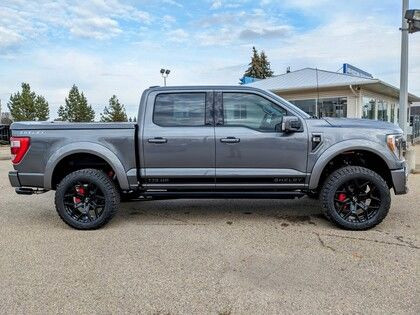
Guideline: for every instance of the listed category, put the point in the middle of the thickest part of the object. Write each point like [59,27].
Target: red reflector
[18,147]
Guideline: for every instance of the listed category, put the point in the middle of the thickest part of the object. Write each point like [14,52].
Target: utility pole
[404,70]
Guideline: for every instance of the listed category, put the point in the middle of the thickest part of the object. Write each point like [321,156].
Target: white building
[325,93]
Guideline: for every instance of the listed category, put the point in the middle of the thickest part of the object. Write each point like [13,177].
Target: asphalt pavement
[207,256]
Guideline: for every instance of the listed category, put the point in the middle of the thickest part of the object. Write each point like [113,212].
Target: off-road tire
[101,180]
[340,176]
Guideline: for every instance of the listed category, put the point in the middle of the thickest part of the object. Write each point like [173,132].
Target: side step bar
[29,191]
[224,194]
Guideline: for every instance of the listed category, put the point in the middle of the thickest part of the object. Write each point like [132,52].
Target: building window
[382,110]
[369,107]
[393,112]
[332,107]
[308,106]
[327,107]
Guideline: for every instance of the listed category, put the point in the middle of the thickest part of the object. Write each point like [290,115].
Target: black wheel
[355,198]
[86,199]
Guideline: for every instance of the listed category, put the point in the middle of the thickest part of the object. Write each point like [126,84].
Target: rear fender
[90,148]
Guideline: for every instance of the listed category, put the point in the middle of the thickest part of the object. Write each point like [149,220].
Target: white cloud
[216,4]
[97,19]
[240,27]
[178,36]
[168,19]
[95,27]
[9,38]
[173,2]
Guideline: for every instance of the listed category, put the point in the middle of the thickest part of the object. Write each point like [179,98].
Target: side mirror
[291,124]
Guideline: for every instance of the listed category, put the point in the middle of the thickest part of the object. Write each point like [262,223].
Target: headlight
[396,145]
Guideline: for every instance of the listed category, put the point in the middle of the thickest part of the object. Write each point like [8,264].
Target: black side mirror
[291,124]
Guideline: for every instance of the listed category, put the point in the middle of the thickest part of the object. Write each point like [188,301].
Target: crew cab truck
[212,142]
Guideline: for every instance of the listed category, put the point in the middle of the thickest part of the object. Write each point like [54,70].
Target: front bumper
[399,180]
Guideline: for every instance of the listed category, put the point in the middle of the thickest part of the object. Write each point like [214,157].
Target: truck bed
[51,142]
[58,125]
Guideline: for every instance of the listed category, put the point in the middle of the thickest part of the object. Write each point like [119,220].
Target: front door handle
[230,140]
[157,140]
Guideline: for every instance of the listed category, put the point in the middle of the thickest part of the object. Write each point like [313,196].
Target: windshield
[295,108]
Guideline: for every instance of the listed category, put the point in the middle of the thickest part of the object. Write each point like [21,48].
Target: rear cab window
[180,109]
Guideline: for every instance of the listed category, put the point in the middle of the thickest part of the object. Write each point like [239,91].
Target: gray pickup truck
[212,142]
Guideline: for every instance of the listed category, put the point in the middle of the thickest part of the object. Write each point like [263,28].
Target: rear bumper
[399,180]
[14,179]
[27,183]
[18,179]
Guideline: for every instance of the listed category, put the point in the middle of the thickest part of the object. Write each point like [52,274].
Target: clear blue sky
[118,47]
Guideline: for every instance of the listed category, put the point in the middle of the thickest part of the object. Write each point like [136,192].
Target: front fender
[350,145]
[85,147]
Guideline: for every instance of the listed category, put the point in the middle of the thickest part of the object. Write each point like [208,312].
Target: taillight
[18,147]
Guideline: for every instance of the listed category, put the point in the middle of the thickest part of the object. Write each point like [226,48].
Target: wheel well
[80,161]
[366,159]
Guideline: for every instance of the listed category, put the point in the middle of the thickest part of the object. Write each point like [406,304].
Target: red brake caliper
[342,197]
[80,191]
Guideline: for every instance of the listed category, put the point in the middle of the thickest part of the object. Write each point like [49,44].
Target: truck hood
[363,123]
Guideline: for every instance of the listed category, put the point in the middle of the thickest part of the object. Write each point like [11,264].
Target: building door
[250,151]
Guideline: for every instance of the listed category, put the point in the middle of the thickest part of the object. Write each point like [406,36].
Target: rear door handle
[230,140]
[157,140]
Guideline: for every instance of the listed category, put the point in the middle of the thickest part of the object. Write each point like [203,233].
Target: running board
[224,195]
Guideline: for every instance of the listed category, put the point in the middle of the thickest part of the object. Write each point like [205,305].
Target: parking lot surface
[207,256]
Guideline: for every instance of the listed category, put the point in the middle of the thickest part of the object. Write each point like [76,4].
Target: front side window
[180,109]
[251,111]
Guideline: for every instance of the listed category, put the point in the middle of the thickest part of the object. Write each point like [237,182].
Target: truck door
[178,140]
[250,152]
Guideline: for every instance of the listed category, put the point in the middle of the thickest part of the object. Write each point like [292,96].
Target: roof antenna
[317,92]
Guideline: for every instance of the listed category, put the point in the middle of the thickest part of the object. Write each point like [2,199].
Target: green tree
[27,106]
[115,112]
[77,108]
[265,66]
[254,70]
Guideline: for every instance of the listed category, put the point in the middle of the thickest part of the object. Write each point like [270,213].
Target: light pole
[164,73]
[404,70]
[410,23]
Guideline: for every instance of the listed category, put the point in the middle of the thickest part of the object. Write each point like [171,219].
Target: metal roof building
[326,93]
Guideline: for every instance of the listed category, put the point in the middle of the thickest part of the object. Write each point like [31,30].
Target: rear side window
[180,109]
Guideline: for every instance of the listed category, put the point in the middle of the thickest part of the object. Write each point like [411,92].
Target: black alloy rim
[357,200]
[84,202]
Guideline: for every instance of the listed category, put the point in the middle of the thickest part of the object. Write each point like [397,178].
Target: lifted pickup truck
[212,142]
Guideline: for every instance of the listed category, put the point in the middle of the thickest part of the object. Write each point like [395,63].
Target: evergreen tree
[77,108]
[115,112]
[26,105]
[266,66]
[254,70]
